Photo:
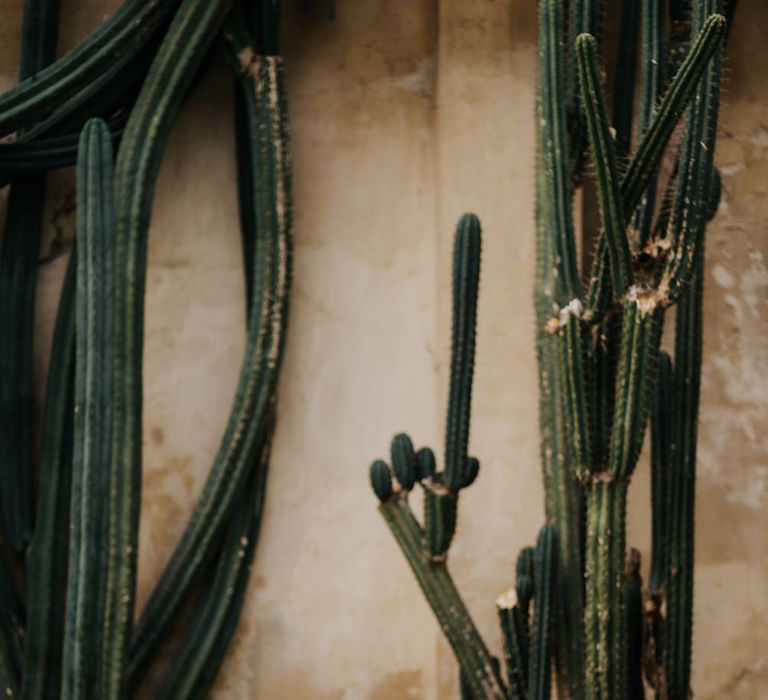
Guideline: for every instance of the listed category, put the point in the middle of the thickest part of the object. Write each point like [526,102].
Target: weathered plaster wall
[406,114]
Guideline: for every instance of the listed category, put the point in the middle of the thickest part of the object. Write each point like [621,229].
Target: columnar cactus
[598,350]
[67,610]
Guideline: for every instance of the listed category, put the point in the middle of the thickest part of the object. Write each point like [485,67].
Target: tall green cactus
[67,608]
[598,349]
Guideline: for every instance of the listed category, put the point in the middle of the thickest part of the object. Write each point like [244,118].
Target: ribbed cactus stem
[677,97]
[86,581]
[123,35]
[267,222]
[466,276]
[439,518]
[474,658]
[542,644]
[640,338]
[604,620]
[192,31]
[606,165]
[514,632]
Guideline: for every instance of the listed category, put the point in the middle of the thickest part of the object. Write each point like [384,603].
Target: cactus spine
[598,350]
[66,617]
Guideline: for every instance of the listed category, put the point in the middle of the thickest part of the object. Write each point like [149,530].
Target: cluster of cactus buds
[68,574]
[602,374]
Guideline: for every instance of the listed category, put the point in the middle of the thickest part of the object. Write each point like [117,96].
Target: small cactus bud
[404,460]
[471,470]
[381,480]
[425,463]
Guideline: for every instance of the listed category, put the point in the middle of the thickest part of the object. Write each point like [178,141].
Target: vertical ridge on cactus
[86,584]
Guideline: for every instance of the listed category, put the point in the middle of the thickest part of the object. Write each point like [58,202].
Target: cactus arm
[651,148]
[553,149]
[112,92]
[652,64]
[441,594]
[47,554]
[604,611]
[466,274]
[514,631]
[93,411]
[119,38]
[677,97]
[543,625]
[191,32]
[606,165]
[688,217]
[266,331]
[626,77]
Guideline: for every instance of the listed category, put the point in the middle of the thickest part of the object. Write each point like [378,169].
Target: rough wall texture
[404,115]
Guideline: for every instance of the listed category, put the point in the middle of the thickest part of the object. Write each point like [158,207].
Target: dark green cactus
[598,348]
[426,464]
[542,640]
[381,480]
[66,612]
[403,461]
[86,580]
[466,273]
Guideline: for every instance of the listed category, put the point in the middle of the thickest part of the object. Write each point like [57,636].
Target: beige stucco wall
[404,115]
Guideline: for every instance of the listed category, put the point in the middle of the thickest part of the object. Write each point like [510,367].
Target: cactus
[598,349]
[66,612]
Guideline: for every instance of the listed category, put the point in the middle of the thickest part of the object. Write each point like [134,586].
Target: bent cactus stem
[474,658]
